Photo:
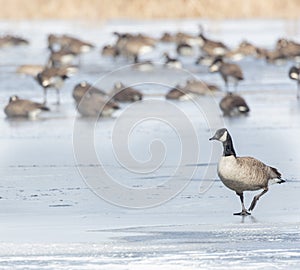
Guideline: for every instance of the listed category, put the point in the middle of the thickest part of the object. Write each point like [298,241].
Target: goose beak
[212,138]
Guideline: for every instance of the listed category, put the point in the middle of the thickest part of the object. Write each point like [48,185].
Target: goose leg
[298,89]
[45,95]
[57,96]
[235,85]
[256,198]
[227,87]
[244,210]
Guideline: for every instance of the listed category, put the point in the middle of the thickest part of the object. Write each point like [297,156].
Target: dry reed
[148,9]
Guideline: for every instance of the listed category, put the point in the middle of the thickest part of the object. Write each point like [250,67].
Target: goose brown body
[23,108]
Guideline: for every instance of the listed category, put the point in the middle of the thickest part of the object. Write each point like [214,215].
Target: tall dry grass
[148,9]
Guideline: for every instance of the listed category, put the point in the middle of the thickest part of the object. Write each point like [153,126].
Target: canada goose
[243,173]
[167,38]
[31,70]
[233,104]
[23,108]
[199,87]
[244,49]
[181,37]
[60,58]
[275,56]
[143,65]
[147,39]
[54,78]
[227,70]
[211,47]
[177,93]
[109,50]
[205,60]
[184,49]
[76,46]
[93,104]
[123,93]
[294,74]
[83,88]
[131,46]
[288,48]
[172,62]
[9,41]
[247,49]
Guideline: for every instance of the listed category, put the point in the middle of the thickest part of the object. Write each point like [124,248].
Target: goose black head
[220,135]
[294,73]
[215,66]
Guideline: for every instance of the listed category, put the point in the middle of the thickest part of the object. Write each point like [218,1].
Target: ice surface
[50,219]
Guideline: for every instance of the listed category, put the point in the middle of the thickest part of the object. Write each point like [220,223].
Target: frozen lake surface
[51,219]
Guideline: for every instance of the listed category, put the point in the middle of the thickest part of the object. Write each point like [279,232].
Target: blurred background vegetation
[148,9]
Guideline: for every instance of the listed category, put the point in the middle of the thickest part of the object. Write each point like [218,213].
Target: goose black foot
[243,213]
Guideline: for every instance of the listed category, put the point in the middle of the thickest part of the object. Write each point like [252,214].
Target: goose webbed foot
[243,213]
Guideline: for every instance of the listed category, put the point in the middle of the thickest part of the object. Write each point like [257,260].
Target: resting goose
[184,49]
[84,88]
[233,104]
[243,173]
[122,93]
[23,108]
[172,62]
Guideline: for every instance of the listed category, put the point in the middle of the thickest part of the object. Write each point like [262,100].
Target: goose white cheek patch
[223,138]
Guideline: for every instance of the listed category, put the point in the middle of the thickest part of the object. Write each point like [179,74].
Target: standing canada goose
[294,74]
[23,108]
[172,62]
[83,88]
[123,93]
[54,78]
[227,70]
[233,104]
[243,173]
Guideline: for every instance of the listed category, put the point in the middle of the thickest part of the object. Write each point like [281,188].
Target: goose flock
[64,50]
[237,173]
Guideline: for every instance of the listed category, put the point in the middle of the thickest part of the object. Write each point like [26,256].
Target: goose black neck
[228,147]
